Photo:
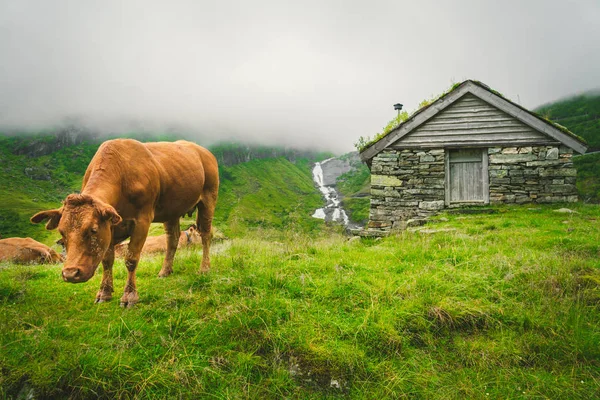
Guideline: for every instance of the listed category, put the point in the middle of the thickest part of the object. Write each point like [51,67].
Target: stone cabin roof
[485,93]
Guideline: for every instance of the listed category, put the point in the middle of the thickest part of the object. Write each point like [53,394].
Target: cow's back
[169,177]
[187,172]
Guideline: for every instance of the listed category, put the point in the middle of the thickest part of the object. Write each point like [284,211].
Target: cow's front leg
[106,287]
[138,238]
[173,233]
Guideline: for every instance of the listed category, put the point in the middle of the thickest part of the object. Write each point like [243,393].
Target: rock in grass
[566,211]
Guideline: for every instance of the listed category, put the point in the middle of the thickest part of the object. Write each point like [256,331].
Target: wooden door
[467,180]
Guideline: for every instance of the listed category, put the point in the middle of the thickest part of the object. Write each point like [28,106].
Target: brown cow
[157,244]
[127,186]
[27,250]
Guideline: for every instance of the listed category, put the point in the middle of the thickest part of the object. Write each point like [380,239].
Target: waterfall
[332,210]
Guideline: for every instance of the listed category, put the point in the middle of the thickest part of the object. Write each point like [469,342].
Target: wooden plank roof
[549,128]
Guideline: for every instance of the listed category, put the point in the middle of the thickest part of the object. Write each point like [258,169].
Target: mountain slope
[267,193]
[355,188]
[580,114]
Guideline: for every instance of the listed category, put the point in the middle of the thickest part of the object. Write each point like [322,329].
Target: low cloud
[307,74]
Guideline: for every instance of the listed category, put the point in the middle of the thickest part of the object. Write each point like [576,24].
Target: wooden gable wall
[472,122]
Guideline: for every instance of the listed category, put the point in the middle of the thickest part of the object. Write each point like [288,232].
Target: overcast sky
[303,73]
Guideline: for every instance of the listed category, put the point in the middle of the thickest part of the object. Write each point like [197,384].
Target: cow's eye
[94,230]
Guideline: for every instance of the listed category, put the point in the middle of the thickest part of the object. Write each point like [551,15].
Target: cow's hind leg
[173,232]
[206,211]
[106,286]
[138,237]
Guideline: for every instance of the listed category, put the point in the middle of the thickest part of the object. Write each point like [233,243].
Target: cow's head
[193,235]
[85,226]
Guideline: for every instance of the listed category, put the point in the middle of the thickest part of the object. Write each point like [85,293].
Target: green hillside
[355,188]
[38,172]
[580,114]
[268,193]
[30,184]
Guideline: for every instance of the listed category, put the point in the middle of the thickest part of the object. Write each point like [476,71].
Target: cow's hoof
[203,271]
[100,298]
[129,299]
[164,273]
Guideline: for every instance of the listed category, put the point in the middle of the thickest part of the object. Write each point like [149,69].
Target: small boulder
[566,211]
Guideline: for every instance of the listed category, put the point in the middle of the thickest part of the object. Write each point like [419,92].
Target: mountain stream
[325,174]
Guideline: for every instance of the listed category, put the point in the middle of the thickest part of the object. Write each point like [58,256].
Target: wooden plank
[465,155]
[473,126]
[470,110]
[447,176]
[430,145]
[476,140]
[470,124]
[477,131]
[438,120]
[485,176]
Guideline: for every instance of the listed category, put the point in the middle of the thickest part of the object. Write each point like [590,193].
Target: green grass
[503,306]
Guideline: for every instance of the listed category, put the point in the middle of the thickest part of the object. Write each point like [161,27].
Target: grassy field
[490,306]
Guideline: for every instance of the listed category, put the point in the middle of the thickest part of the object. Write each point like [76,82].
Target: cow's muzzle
[74,275]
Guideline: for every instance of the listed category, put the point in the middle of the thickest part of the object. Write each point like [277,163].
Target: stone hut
[470,147]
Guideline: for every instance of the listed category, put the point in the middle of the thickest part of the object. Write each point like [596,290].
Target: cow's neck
[101,186]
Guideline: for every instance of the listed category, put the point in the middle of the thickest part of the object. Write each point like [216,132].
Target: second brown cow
[27,251]
[158,244]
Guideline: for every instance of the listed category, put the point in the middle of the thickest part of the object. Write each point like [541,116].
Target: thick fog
[303,73]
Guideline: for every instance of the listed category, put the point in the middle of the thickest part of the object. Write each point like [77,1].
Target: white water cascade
[332,210]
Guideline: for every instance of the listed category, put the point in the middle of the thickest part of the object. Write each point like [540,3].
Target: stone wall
[538,174]
[405,185]
[409,185]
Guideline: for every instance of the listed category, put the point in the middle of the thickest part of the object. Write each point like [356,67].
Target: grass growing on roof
[503,306]
[364,142]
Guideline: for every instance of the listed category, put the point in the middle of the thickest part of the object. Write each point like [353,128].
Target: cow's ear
[109,213]
[53,217]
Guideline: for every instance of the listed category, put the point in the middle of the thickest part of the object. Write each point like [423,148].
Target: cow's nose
[71,274]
